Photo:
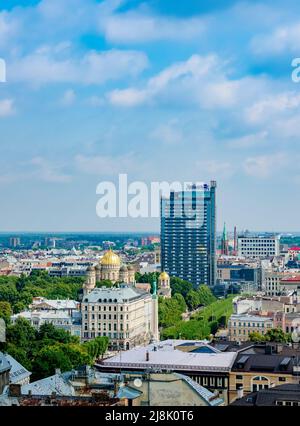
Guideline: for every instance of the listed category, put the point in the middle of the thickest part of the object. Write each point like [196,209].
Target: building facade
[262,367]
[188,234]
[258,247]
[111,268]
[125,314]
[241,325]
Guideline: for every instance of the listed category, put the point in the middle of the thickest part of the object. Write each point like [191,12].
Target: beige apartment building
[240,326]
[125,314]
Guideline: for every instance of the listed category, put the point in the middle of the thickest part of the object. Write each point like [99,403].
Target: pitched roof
[17,371]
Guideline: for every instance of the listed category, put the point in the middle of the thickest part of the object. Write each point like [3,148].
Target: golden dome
[164,276]
[110,258]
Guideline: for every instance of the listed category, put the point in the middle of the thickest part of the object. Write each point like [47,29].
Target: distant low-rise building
[258,247]
[241,325]
[60,319]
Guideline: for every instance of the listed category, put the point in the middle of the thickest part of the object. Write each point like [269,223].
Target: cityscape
[149,236]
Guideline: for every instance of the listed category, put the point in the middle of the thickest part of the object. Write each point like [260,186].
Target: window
[239,377]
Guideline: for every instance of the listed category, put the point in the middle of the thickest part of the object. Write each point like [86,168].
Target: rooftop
[115,294]
[271,396]
[165,356]
[17,371]
[245,317]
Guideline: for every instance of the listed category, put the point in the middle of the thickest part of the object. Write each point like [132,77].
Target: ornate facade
[109,268]
[164,288]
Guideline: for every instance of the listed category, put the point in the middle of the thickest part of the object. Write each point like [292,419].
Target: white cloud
[269,106]
[102,165]
[168,133]
[48,172]
[139,27]
[8,28]
[6,107]
[95,101]
[184,74]
[282,39]
[265,166]
[201,81]
[215,168]
[249,140]
[68,98]
[43,66]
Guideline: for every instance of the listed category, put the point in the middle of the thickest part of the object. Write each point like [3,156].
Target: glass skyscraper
[188,234]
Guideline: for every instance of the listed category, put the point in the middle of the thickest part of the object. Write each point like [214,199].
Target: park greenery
[44,350]
[201,324]
[19,291]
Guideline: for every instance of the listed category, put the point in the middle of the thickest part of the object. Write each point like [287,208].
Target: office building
[188,234]
[258,247]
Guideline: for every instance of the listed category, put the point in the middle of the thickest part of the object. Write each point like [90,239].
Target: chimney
[240,393]
[57,371]
[14,390]
[147,356]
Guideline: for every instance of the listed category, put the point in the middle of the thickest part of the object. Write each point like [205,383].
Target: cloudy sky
[161,90]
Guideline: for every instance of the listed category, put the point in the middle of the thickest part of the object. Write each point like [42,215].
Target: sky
[161,90]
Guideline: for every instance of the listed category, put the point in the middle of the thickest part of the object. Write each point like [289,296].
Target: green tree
[5,311]
[104,283]
[48,359]
[21,334]
[50,332]
[193,299]
[277,335]
[256,337]
[180,286]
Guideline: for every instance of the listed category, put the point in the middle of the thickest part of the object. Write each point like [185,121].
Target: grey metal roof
[204,393]
[115,294]
[56,383]
[17,372]
[4,364]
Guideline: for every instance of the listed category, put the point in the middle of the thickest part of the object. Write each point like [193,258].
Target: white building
[258,247]
[60,319]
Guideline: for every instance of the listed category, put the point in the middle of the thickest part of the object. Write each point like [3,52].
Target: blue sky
[161,90]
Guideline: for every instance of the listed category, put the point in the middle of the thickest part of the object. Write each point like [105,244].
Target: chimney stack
[240,393]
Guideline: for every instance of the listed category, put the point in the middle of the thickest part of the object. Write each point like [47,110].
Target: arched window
[110,300]
[259,382]
[100,301]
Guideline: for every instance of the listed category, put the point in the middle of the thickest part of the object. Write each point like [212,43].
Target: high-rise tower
[188,234]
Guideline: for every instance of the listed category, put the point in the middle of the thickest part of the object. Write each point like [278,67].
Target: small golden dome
[110,258]
[164,276]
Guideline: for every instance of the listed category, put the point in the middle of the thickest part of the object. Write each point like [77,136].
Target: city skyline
[158,90]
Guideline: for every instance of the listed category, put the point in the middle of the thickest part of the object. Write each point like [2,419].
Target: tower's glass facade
[188,234]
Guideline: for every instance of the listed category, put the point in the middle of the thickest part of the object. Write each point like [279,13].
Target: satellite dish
[137,383]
